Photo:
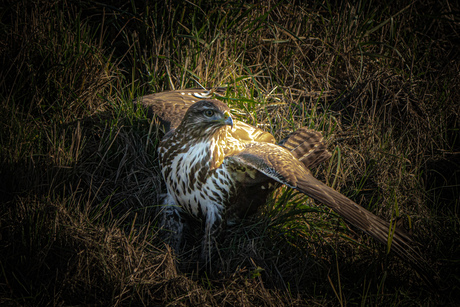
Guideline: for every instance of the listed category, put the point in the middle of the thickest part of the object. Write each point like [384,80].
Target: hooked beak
[228,119]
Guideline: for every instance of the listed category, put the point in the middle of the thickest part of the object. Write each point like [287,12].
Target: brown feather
[308,146]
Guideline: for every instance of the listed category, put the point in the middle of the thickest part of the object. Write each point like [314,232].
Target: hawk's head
[205,117]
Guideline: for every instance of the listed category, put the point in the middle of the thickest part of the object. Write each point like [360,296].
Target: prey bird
[219,169]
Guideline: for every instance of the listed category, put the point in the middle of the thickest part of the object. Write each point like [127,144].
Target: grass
[79,175]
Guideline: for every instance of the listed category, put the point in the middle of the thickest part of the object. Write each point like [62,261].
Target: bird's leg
[212,229]
[172,223]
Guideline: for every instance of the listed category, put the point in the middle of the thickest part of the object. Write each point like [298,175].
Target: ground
[79,174]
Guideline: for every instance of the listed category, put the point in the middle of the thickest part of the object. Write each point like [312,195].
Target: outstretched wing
[279,164]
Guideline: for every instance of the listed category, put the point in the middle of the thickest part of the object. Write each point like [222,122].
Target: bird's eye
[208,113]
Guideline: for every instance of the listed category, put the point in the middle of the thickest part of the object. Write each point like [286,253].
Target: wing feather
[279,164]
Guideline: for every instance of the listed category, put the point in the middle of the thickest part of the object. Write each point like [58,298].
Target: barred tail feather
[307,146]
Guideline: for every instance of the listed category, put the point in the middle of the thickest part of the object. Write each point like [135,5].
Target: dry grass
[79,177]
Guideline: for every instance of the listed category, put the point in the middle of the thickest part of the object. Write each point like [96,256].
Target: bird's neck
[211,148]
[216,150]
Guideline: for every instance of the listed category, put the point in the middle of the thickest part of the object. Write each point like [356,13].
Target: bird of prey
[219,169]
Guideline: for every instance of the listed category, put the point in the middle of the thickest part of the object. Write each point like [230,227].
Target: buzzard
[219,169]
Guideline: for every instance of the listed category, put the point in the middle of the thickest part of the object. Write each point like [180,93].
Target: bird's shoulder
[248,133]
